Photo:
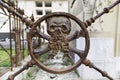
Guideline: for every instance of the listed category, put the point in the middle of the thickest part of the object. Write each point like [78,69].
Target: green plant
[5,58]
[31,73]
[5,63]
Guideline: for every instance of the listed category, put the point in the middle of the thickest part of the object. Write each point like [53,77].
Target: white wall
[3,18]
[60,6]
[30,8]
[101,54]
[101,45]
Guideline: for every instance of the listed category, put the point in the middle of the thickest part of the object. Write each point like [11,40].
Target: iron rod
[10,9]
[110,7]
[4,49]
[10,35]
[102,72]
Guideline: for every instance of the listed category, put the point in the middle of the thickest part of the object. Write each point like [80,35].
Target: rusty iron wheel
[85,51]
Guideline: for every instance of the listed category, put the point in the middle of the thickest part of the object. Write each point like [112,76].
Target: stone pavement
[42,75]
[57,63]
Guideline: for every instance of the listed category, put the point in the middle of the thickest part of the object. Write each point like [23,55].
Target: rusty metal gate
[58,29]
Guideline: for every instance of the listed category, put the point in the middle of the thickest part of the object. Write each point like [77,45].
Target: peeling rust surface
[58,28]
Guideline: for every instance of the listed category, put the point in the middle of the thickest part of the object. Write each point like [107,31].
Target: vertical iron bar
[23,41]
[15,37]
[10,35]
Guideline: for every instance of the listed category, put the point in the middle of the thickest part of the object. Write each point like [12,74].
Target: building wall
[104,38]
[30,8]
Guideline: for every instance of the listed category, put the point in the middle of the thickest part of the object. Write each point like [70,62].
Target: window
[39,4]
[39,12]
[48,11]
[48,4]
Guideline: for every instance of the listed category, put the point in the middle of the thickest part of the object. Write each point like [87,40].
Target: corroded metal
[59,29]
[60,41]
[14,12]
[91,65]
[4,49]
[105,11]
[25,67]
[10,35]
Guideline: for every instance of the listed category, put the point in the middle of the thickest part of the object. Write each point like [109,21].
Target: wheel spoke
[76,35]
[78,52]
[41,51]
[40,34]
[60,42]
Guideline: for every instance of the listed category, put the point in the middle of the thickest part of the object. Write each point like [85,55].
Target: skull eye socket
[64,27]
[52,28]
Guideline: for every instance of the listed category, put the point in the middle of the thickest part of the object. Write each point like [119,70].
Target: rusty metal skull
[58,25]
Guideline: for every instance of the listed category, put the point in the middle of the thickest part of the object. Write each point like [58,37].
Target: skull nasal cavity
[58,30]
